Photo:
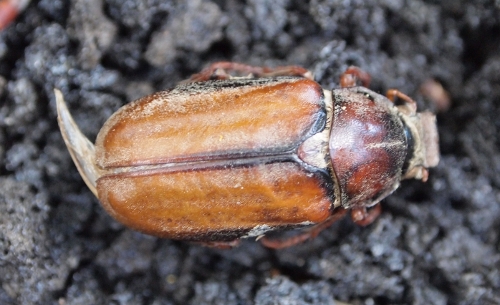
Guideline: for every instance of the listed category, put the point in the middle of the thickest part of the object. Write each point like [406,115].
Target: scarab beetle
[222,157]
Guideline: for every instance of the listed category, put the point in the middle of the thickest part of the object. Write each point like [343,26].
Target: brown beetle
[221,157]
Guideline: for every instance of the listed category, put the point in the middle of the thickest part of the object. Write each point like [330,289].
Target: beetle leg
[410,106]
[310,233]
[220,70]
[213,72]
[220,244]
[418,172]
[363,217]
[352,75]
[284,71]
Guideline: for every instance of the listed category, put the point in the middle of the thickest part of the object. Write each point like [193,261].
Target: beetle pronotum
[221,157]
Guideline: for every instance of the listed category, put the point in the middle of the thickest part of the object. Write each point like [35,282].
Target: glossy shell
[215,161]
[368,146]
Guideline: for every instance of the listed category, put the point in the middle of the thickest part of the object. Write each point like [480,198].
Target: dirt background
[435,243]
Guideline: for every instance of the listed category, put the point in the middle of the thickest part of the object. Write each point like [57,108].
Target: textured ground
[435,243]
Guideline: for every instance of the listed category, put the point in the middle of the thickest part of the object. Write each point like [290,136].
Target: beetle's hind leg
[309,233]
[219,244]
[224,70]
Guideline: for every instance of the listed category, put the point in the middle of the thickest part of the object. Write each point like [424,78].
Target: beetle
[237,151]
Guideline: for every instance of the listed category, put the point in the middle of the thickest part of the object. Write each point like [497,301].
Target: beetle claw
[81,149]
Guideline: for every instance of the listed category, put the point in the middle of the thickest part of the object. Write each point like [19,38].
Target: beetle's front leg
[222,69]
[363,217]
[305,235]
[410,106]
[352,75]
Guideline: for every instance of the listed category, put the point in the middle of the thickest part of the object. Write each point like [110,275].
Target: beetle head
[423,144]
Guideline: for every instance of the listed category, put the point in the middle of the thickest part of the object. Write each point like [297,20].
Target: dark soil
[435,242]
